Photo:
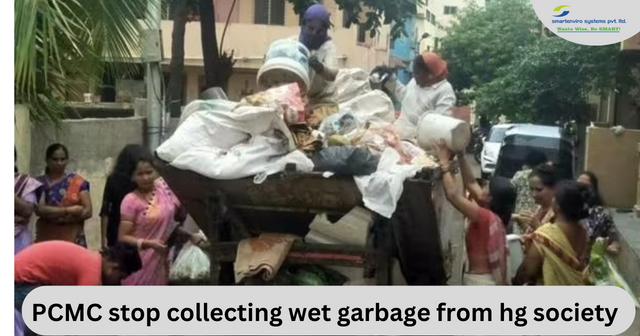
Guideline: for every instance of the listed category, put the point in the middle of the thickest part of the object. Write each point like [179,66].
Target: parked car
[491,148]
[551,141]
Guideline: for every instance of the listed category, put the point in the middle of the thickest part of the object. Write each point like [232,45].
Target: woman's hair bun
[573,199]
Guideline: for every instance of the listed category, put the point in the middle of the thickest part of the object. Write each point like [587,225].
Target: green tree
[484,39]
[57,40]
[513,68]
[549,81]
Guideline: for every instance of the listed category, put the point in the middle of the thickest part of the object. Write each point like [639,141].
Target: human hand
[527,219]
[443,153]
[613,248]
[315,64]
[155,244]
[197,238]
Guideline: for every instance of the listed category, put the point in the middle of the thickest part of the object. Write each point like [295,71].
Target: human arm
[395,88]
[104,210]
[22,207]
[531,267]
[325,62]
[87,207]
[321,69]
[446,100]
[181,214]
[54,212]
[126,231]
[610,232]
[470,182]
[456,197]
[527,221]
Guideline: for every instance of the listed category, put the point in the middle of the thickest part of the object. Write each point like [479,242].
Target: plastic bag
[191,264]
[243,160]
[604,271]
[286,98]
[351,161]
[340,123]
[374,108]
[381,190]
[351,83]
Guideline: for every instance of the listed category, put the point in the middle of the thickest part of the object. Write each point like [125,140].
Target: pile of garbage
[266,131]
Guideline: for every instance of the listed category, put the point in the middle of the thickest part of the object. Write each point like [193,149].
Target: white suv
[491,149]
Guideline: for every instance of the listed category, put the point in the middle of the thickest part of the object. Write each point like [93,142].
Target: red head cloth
[437,67]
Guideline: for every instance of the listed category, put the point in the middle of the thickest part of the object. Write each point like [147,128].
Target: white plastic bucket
[433,127]
[286,61]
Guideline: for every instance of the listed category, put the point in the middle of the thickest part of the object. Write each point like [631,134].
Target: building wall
[93,147]
[443,20]
[250,42]
[614,159]
[404,50]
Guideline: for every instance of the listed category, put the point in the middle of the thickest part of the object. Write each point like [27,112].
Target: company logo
[564,13]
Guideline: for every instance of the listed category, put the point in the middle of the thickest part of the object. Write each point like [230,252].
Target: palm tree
[59,41]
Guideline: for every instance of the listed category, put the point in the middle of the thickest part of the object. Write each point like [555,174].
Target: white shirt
[321,90]
[417,101]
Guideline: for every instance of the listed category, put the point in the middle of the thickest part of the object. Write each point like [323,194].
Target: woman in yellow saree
[554,255]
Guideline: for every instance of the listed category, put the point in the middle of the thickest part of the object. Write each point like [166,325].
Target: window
[433,19]
[362,33]
[428,16]
[496,134]
[450,10]
[269,12]
[426,3]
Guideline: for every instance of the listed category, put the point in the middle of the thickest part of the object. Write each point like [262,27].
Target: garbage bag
[350,161]
[340,123]
[191,264]
[351,83]
[604,271]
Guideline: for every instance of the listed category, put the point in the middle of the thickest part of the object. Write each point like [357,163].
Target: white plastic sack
[191,264]
[243,160]
[302,162]
[373,107]
[222,125]
[381,190]
[351,83]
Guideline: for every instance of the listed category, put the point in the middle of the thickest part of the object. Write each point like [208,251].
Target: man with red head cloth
[428,92]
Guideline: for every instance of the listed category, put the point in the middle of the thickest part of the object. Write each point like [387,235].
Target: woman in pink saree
[149,215]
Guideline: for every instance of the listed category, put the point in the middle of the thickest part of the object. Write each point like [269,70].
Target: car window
[497,134]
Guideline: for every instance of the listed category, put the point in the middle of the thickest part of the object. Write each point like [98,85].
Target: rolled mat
[265,254]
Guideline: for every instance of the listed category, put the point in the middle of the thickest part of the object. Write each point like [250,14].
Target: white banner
[324,310]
